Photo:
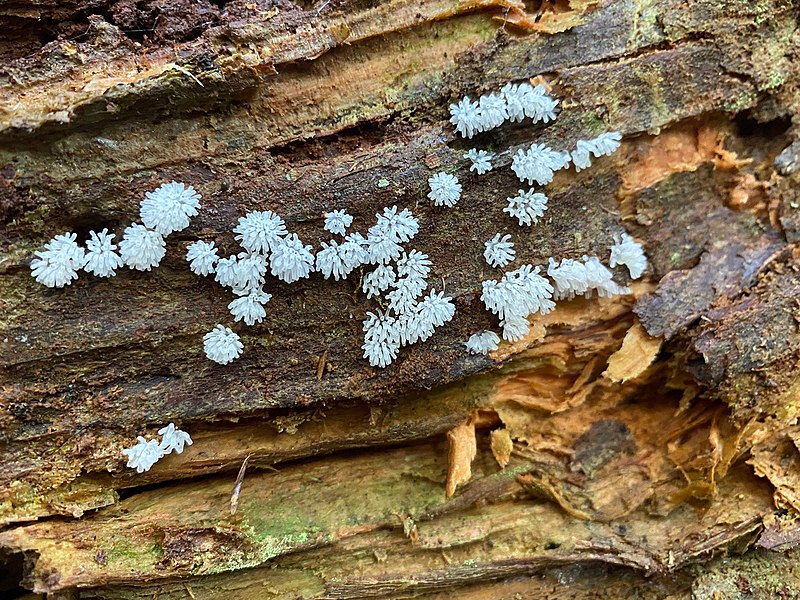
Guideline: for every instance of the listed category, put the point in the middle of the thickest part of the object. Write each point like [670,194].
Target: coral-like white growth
[222,345]
[173,439]
[627,251]
[603,145]
[411,317]
[599,279]
[518,294]
[381,339]
[516,95]
[337,221]
[202,257]
[437,309]
[499,251]
[514,102]
[417,324]
[226,274]
[414,264]
[481,160]
[381,248]
[143,455]
[514,328]
[379,280]
[354,251]
[445,189]
[66,245]
[290,259]
[250,306]
[260,231]
[482,342]
[581,155]
[414,326]
[538,163]
[524,100]
[466,118]
[569,276]
[434,310]
[249,271]
[606,143]
[168,207]
[527,207]
[141,248]
[540,106]
[57,265]
[398,227]
[335,259]
[492,111]
[101,260]
[573,278]
[403,298]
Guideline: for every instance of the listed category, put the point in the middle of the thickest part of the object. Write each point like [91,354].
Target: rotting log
[642,437]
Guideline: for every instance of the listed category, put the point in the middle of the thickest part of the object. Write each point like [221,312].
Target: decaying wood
[621,448]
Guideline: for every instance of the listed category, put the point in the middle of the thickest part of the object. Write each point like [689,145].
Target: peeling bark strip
[622,425]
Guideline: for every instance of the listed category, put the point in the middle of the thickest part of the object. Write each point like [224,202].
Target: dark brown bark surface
[643,434]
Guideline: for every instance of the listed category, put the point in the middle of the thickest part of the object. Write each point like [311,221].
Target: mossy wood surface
[640,446]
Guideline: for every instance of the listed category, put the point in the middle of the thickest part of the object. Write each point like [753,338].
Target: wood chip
[639,350]
[461,453]
[502,445]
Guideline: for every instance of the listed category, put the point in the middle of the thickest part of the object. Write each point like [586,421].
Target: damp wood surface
[648,441]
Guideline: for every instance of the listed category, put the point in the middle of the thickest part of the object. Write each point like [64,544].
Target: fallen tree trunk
[628,440]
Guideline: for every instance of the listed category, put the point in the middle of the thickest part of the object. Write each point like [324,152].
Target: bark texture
[641,446]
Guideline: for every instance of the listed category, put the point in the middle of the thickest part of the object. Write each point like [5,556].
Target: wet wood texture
[629,440]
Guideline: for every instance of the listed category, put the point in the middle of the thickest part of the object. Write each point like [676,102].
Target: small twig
[188,73]
[238,485]
[324,4]
[322,362]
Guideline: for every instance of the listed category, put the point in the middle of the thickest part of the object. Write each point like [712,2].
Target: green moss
[124,549]
[740,102]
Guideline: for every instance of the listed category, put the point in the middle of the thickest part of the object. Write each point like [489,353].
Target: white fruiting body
[249,307]
[499,251]
[481,161]
[141,248]
[482,342]
[466,118]
[378,280]
[445,189]
[332,260]
[602,145]
[627,251]
[101,258]
[173,439]
[202,257]
[527,207]
[169,207]
[291,259]
[222,345]
[57,265]
[400,276]
[538,163]
[337,222]
[143,455]
[260,231]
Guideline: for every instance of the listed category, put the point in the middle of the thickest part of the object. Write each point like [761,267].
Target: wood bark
[643,446]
